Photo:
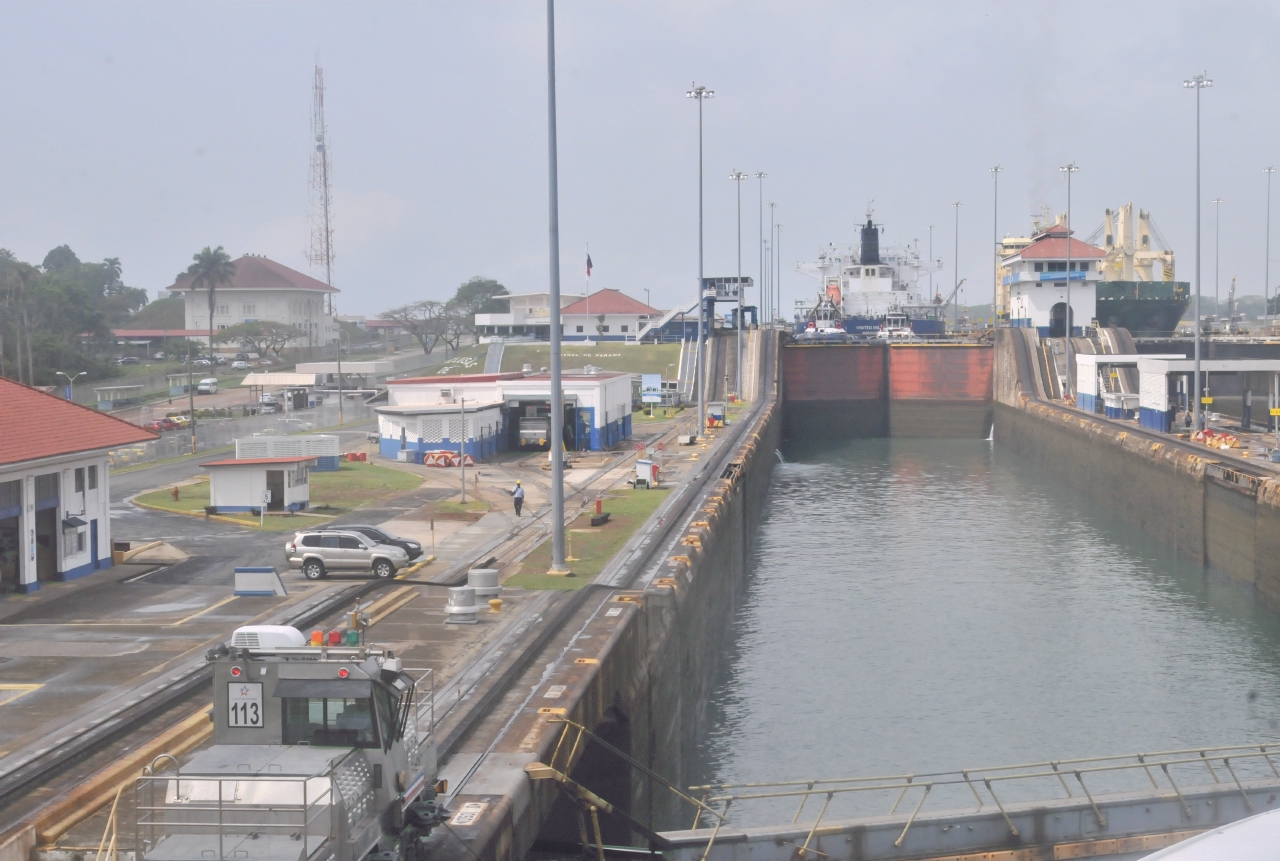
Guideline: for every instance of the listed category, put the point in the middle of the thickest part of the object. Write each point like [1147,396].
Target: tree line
[58,315]
[432,323]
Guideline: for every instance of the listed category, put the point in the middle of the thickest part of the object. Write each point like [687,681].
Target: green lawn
[590,548]
[629,358]
[354,485]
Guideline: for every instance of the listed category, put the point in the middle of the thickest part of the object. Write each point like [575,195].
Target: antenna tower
[321,227]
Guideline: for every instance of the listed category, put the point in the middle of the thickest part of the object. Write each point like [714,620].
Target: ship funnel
[870,244]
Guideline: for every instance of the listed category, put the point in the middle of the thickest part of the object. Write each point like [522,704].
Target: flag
[588,265]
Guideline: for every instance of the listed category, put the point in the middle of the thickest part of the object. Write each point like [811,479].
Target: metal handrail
[1229,756]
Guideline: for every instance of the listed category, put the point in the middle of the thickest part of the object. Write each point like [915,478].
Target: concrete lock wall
[1221,516]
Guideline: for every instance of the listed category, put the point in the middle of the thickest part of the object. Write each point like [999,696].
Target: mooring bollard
[461,608]
[485,583]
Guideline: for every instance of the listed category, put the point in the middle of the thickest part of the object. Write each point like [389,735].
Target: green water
[925,605]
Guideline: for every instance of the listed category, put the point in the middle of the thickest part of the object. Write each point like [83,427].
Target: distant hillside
[160,314]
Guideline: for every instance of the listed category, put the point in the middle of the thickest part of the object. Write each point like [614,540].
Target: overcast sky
[146,131]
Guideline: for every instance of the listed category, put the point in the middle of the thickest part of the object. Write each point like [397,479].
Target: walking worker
[517,495]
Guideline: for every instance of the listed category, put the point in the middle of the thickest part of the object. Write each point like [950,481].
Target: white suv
[318,553]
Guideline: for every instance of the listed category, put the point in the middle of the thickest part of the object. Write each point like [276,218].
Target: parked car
[268,398]
[128,360]
[160,355]
[207,386]
[244,356]
[202,363]
[161,425]
[181,421]
[221,360]
[239,365]
[270,409]
[264,361]
[413,548]
[317,553]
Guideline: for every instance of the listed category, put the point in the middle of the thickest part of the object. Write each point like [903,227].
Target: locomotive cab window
[330,722]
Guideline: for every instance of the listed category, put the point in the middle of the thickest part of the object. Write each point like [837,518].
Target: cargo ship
[862,289]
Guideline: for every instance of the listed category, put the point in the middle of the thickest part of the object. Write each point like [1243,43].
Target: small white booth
[1163,384]
[1091,390]
[246,485]
[325,448]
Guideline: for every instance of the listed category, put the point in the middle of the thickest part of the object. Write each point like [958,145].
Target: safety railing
[220,812]
[1163,774]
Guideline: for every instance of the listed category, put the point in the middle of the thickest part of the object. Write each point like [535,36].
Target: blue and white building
[482,414]
[1036,278]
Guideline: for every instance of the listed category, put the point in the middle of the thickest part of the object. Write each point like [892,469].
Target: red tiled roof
[35,425]
[257,461]
[1055,248]
[609,302]
[259,273]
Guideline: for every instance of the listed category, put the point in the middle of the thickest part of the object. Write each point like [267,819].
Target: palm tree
[212,268]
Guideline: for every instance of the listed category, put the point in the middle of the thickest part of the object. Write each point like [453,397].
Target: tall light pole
[777,284]
[701,94]
[955,292]
[1198,83]
[71,383]
[1266,276]
[738,176]
[760,177]
[931,293]
[1066,312]
[341,332]
[773,255]
[553,221]
[1217,236]
[995,240]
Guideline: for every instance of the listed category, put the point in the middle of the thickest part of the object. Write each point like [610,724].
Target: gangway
[656,325]
[1112,806]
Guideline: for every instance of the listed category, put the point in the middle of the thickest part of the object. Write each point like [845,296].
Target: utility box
[716,414]
[646,474]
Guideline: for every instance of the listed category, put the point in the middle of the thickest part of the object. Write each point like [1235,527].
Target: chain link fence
[216,433]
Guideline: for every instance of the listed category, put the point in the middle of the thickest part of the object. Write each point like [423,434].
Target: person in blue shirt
[517,496]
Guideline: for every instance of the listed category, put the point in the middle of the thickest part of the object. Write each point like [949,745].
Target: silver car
[318,553]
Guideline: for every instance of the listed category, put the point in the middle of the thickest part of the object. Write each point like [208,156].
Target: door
[47,545]
[93,543]
[353,553]
[275,486]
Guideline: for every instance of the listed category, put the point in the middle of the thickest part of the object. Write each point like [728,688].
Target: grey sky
[145,131]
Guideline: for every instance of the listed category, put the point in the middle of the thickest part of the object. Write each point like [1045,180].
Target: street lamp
[995,238]
[1266,276]
[553,231]
[777,289]
[772,251]
[1217,235]
[760,178]
[341,332]
[1198,83]
[701,94]
[71,383]
[1066,312]
[738,176]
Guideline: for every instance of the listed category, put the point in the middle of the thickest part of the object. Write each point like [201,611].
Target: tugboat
[896,327]
[822,324]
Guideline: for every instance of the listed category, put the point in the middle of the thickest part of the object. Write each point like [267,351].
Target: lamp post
[760,178]
[1266,272]
[772,251]
[777,288]
[1198,83]
[1217,236]
[1066,312]
[738,176]
[995,239]
[71,383]
[553,222]
[955,292]
[341,332]
[701,94]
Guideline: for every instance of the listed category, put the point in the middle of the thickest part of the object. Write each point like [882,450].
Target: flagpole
[587,328]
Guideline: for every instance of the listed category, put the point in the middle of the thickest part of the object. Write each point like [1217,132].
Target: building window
[1039,267]
[93,477]
[74,542]
[79,479]
[1081,266]
[1057,266]
[250,309]
[10,495]
[624,328]
[47,487]
[223,309]
[604,328]
[579,328]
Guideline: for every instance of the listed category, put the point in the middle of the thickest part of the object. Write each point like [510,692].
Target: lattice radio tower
[321,227]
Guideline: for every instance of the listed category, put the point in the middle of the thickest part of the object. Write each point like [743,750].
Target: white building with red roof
[249,484]
[1037,282]
[262,290]
[606,315]
[55,497]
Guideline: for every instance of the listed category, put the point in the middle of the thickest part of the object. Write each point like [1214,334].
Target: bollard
[485,583]
[495,605]
[599,506]
[461,608]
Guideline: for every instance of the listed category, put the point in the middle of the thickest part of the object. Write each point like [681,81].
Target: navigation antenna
[321,228]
